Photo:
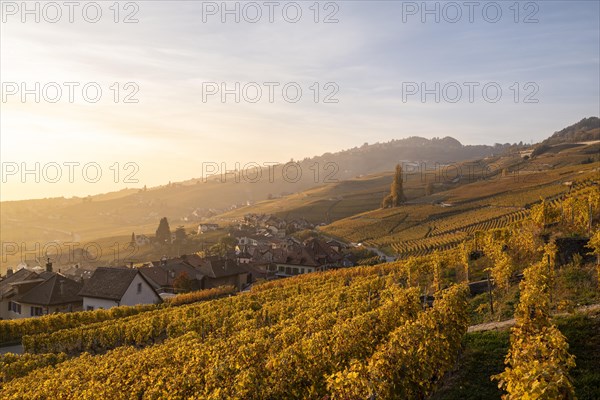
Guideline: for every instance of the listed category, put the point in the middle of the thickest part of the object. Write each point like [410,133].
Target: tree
[396,196]
[225,244]
[429,189]
[163,233]
[183,283]
[180,234]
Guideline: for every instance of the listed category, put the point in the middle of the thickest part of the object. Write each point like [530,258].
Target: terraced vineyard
[425,246]
[321,326]
[447,233]
[415,229]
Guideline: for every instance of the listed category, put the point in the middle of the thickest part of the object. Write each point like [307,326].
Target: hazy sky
[375,61]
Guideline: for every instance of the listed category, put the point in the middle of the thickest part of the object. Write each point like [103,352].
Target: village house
[295,260]
[322,253]
[113,287]
[247,241]
[300,224]
[337,245]
[8,288]
[209,272]
[142,240]
[78,273]
[260,255]
[203,228]
[172,276]
[56,294]
[27,293]
[244,257]
[220,271]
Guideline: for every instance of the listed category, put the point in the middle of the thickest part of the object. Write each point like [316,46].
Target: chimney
[61,288]
[9,272]
[49,265]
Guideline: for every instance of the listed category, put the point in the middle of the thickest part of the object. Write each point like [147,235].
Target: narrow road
[488,326]
[17,349]
[381,254]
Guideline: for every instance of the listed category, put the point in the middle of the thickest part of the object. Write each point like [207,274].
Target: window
[90,308]
[14,307]
[36,311]
[139,288]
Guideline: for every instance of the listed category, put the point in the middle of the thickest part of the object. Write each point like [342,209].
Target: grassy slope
[484,354]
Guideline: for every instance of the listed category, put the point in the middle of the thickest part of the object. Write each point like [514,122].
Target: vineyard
[538,360]
[13,330]
[446,232]
[390,331]
[244,347]
[418,228]
[357,333]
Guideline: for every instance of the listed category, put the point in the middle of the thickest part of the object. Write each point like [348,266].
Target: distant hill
[588,129]
[378,157]
[139,210]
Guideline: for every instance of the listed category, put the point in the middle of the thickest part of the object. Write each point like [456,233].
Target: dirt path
[488,326]
[16,349]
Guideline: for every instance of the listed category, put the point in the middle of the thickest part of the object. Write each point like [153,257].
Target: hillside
[179,200]
[83,220]
[468,183]
[512,243]
[446,179]
[586,130]
[444,219]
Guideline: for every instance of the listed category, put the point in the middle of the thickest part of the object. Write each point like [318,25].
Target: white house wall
[98,303]
[132,297]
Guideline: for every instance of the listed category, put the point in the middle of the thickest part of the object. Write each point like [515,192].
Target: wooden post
[551,274]
[490,292]
[590,217]
[562,211]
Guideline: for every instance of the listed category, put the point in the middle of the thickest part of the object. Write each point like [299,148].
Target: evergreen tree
[396,196]
[163,233]
[180,235]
